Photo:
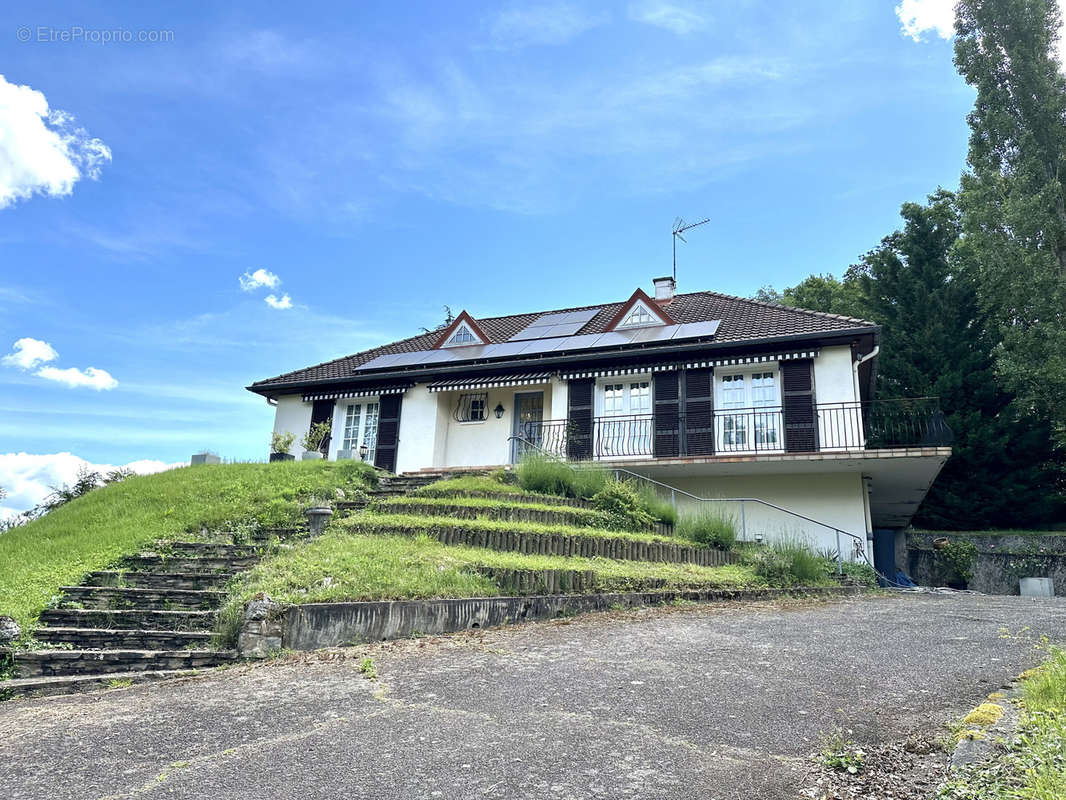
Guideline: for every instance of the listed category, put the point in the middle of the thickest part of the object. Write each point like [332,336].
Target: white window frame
[366,426]
[639,307]
[752,429]
[632,433]
[466,333]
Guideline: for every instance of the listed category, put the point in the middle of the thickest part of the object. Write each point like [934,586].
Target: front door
[527,427]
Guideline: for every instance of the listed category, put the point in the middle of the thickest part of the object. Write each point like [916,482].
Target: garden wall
[1002,560]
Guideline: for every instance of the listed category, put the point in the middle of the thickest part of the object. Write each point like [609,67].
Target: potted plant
[313,439]
[280,445]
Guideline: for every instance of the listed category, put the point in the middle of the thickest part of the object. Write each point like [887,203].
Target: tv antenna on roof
[680,226]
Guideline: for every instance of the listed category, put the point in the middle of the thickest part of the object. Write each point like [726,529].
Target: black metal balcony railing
[871,425]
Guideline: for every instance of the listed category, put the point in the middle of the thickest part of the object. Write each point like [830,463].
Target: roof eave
[366,377]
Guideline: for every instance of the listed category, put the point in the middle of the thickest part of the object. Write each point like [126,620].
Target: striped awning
[760,358]
[491,382]
[370,391]
[607,372]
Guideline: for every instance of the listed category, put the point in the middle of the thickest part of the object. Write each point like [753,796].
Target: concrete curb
[317,625]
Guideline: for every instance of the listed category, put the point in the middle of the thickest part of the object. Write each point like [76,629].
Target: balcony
[832,427]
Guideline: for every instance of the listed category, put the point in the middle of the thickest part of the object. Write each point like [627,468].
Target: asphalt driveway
[692,702]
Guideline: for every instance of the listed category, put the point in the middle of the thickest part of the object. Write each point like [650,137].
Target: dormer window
[639,311]
[462,335]
[463,332]
[639,316]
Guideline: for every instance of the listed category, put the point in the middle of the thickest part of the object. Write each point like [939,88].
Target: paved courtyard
[689,702]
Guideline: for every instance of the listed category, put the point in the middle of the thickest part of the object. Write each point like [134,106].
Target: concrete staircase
[393,486]
[153,618]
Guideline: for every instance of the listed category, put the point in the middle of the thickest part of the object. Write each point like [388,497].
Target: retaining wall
[1001,561]
[316,625]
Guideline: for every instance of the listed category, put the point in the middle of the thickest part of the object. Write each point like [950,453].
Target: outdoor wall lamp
[498,411]
[363,450]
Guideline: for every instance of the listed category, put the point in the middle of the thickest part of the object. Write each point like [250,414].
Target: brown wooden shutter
[797,404]
[666,414]
[699,412]
[322,411]
[388,431]
[579,419]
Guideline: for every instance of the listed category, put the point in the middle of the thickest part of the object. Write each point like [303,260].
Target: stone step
[122,639]
[48,663]
[69,684]
[158,580]
[209,549]
[157,563]
[150,619]
[557,515]
[117,597]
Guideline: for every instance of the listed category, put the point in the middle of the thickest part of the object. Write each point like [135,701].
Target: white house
[713,395]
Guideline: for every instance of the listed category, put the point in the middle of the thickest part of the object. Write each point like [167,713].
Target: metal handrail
[675,491]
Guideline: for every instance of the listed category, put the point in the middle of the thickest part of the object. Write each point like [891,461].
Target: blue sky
[383,161]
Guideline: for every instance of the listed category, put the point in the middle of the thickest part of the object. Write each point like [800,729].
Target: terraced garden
[149,578]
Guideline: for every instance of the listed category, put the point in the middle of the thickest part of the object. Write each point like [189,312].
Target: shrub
[659,507]
[955,561]
[789,563]
[710,527]
[281,442]
[537,473]
[622,505]
[589,481]
[315,436]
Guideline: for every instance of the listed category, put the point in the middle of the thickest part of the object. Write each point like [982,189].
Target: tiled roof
[741,319]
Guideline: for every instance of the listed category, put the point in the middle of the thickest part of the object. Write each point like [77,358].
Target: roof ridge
[765,304]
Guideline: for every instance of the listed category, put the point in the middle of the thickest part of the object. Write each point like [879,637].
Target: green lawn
[379,567]
[529,502]
[94,531]
[1034,766]
[376,521]
[473,484]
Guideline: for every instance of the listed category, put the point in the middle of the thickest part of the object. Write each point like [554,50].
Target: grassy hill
[94,531]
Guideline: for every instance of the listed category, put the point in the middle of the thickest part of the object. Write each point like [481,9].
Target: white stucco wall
[292,415]
[419,420]
[834,381]
[836,499]
[839,426]
[474,444]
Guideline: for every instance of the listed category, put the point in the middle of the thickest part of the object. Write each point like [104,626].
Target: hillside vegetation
[96,530]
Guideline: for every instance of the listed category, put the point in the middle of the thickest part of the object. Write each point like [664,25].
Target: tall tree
[937,341]
[1013,199]
[818,293]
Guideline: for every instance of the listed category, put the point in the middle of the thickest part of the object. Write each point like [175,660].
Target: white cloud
[261,277]
[28,353]
[919,16]
[27,478]
[274,302]
[544,24]
[90,377]
[669,16]
[32,353]
[41,150]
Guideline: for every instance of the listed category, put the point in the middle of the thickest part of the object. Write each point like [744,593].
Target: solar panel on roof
[690,330]
[526,347]
[548,326]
